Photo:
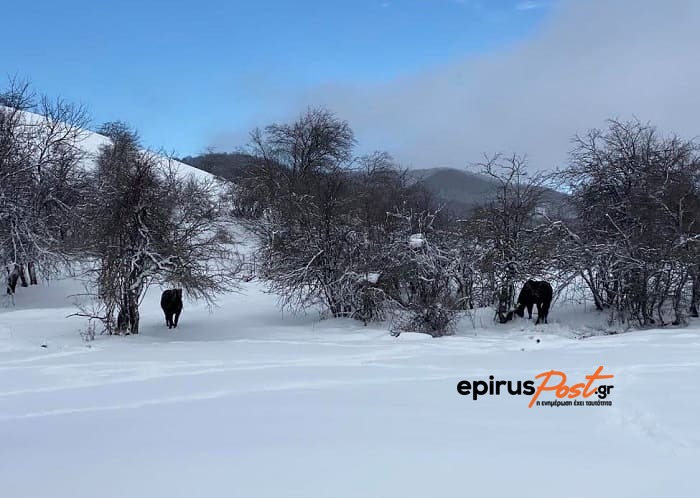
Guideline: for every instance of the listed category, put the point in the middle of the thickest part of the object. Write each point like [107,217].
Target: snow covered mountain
[91,142]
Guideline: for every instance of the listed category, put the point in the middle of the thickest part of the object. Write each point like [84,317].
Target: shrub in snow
[422,279]
[435,320]
[369,303]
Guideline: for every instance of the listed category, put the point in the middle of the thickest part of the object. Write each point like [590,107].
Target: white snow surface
[246,401]
[416,241]
[372,277]
[92,142]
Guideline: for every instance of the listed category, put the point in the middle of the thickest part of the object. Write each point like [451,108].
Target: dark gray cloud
[592,60]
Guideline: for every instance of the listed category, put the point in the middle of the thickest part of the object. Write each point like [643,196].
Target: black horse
[538,293]
[171,302]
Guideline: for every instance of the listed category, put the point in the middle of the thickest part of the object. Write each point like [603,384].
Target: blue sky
[184,73]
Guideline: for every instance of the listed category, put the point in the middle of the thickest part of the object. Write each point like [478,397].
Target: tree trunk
[22,276]
[695,296]
[597,299]
[128,317]
[12,277]
[133,313]
[505,302]
[32,273]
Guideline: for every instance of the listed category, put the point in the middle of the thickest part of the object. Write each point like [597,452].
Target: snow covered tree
[636,234]
[324,231]
[41,185]
[418,275]
[148,225]
[508,230]
[304,236]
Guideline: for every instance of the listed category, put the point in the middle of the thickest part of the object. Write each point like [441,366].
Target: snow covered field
[246,401]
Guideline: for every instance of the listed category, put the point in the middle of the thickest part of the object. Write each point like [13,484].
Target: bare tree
[316,142]
[41,186]
[301,178]
[638,226]
[508,228]
[151,226]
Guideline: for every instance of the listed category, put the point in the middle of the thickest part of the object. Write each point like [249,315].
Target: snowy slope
[245,401]
[92,142]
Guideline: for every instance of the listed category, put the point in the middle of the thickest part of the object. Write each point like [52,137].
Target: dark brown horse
[171,302]
[534,292]
[538,293]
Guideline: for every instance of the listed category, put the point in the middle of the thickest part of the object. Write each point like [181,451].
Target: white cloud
[592,60]
[529,5]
